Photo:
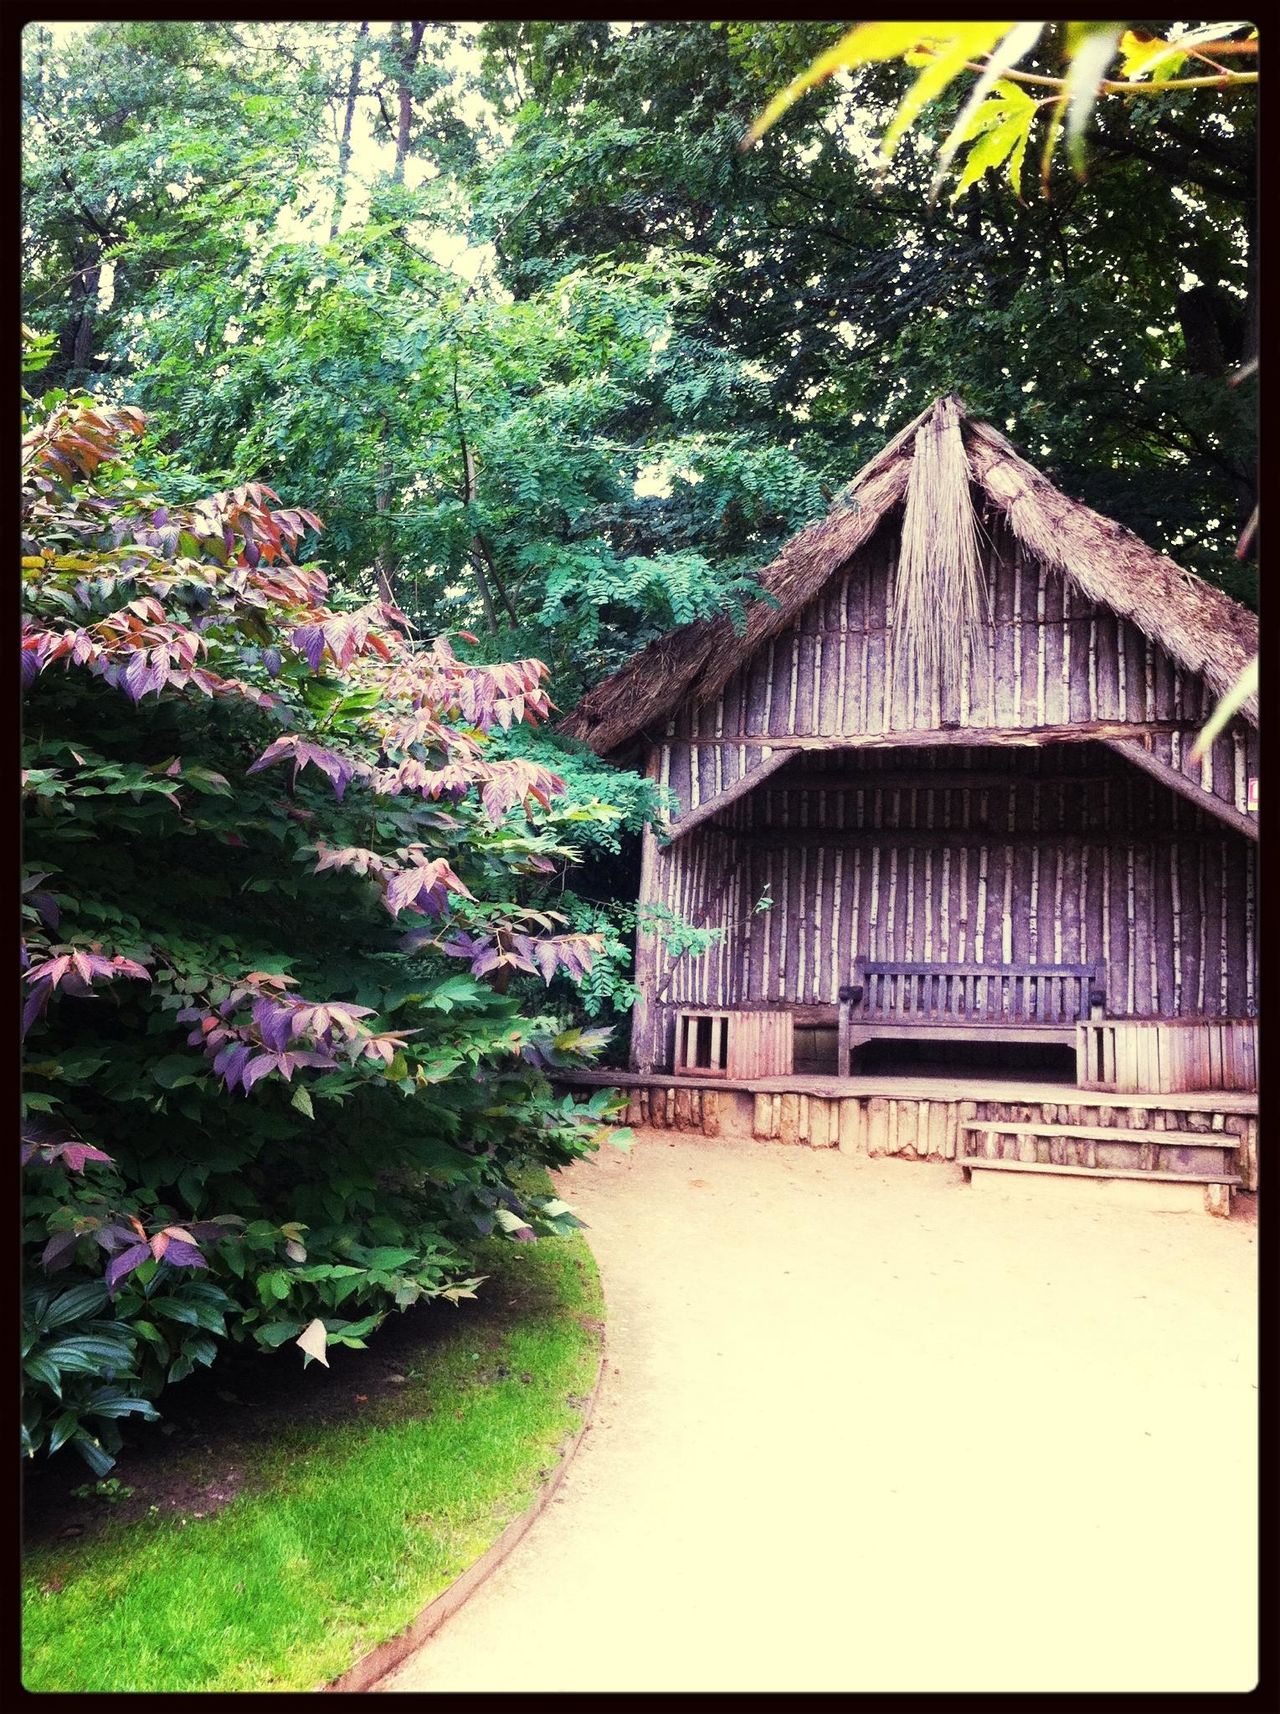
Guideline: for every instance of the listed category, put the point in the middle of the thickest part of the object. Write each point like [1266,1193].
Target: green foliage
[243,1161]
[392,1495]
[1083,324]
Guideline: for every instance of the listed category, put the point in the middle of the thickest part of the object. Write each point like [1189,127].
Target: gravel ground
[866,1429]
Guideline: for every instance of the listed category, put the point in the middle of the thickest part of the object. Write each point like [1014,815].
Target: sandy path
[866,1429]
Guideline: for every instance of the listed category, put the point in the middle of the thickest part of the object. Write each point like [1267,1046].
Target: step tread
[968,1161]
[1108,1133]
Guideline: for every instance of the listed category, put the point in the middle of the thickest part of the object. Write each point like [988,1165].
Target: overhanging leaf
[1142,54]
[866,44]
[948,59]
[1015,47]
[1246,685]
[1093,53]
[313,1341]
[1006,128]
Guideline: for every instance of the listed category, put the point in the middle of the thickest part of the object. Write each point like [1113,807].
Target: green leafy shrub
[283,945]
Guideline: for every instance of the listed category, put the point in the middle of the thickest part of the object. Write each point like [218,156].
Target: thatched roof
[1203,630]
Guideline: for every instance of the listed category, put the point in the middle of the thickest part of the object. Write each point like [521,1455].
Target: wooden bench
[895,1000]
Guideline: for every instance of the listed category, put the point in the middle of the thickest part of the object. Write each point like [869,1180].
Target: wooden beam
[713,805]
[782,749]
[930,779]
[959,737]
[1134,751]
[986,833]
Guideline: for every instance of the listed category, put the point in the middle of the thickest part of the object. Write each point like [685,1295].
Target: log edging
[368,1672]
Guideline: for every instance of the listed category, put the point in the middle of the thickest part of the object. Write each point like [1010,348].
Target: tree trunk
[385,566]
[344,146]
[77,338]
[408,56]
[1250,341]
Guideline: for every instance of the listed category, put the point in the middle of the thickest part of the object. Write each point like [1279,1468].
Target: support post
[644,1014]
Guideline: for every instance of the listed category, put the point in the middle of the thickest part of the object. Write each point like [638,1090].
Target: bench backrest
[890,989]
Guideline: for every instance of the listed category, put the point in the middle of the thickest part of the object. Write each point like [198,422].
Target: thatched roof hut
[1199,628]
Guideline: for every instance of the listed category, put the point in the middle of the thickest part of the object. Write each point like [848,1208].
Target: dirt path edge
[370,1669]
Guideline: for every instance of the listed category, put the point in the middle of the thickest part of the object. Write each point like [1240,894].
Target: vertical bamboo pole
[1093,667]
[964,904]
[1016,634]
[643,1044]
[908,945]
[770,674]
[801,924]
[928,900]
[818,942]
[855,922]
[980,923]
[1223,1004]
[1175,907]
[784,927]
[1042,576]
[873,904]
[1201,859]
[945,905]
[1250,931]
[1130,938]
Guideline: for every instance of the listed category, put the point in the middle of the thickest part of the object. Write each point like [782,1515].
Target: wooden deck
[925,1088]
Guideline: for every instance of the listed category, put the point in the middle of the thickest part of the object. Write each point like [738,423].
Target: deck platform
[1197,1133]
[924,1087]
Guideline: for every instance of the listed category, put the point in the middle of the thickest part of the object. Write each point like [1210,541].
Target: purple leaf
[58,1252]
[257,1068]
[230,1061]
[272,1020]
[180,1255]
[36,1003]
[76,1154]
[137,677]
[309,642]
[125,1263]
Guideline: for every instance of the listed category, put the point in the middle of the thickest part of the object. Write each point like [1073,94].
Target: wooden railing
[1159,1055]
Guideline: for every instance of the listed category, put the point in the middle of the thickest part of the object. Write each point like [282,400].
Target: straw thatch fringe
[1202,629]
[940,593]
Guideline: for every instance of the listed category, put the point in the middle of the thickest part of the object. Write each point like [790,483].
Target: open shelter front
[901,871]
[939,798]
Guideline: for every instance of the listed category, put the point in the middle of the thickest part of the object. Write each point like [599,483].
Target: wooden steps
[1139,1173]
[1125,1175]
[1105,1133]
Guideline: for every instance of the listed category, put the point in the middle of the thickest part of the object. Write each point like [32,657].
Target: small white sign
[1251,800]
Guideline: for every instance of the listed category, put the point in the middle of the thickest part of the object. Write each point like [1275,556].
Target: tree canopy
[471,294]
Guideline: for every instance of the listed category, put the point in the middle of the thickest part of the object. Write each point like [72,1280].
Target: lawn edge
[368,1672]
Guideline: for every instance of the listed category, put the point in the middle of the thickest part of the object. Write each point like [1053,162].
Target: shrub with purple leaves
[287,945]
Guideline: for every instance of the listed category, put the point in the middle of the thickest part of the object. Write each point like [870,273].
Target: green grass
[348,1529]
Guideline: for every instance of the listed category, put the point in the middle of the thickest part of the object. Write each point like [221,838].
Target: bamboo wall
[1049,661]
[1064,855]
